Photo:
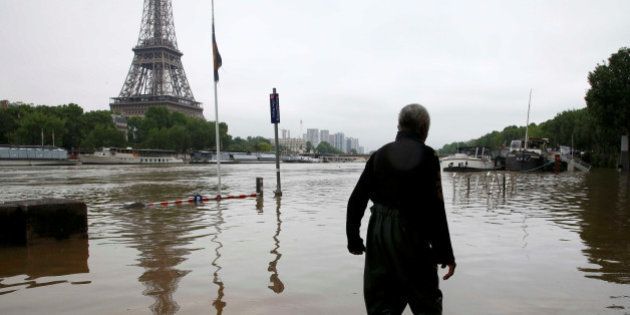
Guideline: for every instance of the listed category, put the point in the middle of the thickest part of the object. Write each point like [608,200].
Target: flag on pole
[216,56]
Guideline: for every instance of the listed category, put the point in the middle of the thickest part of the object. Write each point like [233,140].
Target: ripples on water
[530,232]
[525,243]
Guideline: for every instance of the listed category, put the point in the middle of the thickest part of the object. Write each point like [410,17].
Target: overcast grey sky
[339,65]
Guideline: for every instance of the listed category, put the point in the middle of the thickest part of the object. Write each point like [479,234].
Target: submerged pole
[259,185]
[274,103]
[278,191]
[503,184]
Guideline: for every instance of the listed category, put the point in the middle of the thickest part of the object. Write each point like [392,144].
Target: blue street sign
[274,104]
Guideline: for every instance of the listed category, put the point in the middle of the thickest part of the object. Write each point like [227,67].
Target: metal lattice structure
[156,76]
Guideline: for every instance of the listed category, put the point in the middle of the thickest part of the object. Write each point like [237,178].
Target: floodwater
[544,244]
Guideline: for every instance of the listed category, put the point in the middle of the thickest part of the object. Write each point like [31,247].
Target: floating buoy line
[196,199]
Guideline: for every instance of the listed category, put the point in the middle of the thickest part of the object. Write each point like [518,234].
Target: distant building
[324,135]
[340,141]
[352,144]
[312,136]
[291,145]
[286,134]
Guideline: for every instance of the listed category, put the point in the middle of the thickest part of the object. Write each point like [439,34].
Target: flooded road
[540,244]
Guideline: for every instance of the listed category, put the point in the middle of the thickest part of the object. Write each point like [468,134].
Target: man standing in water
[408,234]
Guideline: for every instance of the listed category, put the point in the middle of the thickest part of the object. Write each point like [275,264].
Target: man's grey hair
[414,118]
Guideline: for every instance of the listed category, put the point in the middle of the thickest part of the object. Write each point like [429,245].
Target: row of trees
[250,144]
[595,129]
[572,126]
[325,148]
[65,126]
[163,129]
[68,126]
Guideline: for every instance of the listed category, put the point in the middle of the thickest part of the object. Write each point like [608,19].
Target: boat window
[516,144]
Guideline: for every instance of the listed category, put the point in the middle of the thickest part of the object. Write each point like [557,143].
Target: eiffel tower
[156,76]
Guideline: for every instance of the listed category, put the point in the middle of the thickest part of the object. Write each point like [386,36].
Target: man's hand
[451,270]
[356,249]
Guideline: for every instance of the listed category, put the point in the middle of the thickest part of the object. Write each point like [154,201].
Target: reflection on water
[595,205]
[160,236]
[276,284]
[218,303]
[46,258]
[606,226]
[260,204]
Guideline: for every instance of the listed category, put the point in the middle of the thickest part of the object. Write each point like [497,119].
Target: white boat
[33,156]
[209,157]
[131,156]
[300,159]
[468,160]
[253,158]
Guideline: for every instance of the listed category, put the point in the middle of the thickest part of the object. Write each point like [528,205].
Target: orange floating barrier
[200,199]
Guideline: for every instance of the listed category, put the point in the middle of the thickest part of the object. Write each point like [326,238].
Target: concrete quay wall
[24,222]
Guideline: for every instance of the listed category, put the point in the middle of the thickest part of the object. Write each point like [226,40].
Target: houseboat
[468,159]
[131,156]
[25,155]
[528,156]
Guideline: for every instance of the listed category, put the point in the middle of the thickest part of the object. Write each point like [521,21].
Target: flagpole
[217,138]
[529,106]
[216,115]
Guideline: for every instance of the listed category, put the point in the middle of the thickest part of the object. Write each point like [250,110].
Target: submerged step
[23,222]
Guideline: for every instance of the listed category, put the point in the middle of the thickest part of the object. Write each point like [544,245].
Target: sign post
[274,105]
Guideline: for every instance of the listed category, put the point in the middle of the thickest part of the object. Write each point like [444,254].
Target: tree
[325,148]
[91,119]
[71,114]
[571,126]
[260,144]
[34,124]
[251,144]
[177,138]
[98,130]
[264,147]
[608,102]
[608,99]
[238,144]
[159,129]
[103,136]
[224,137]
[8,124]
[200,132]
[161,117]
[309,147]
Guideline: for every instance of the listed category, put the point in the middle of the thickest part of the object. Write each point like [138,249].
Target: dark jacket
[404,175]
